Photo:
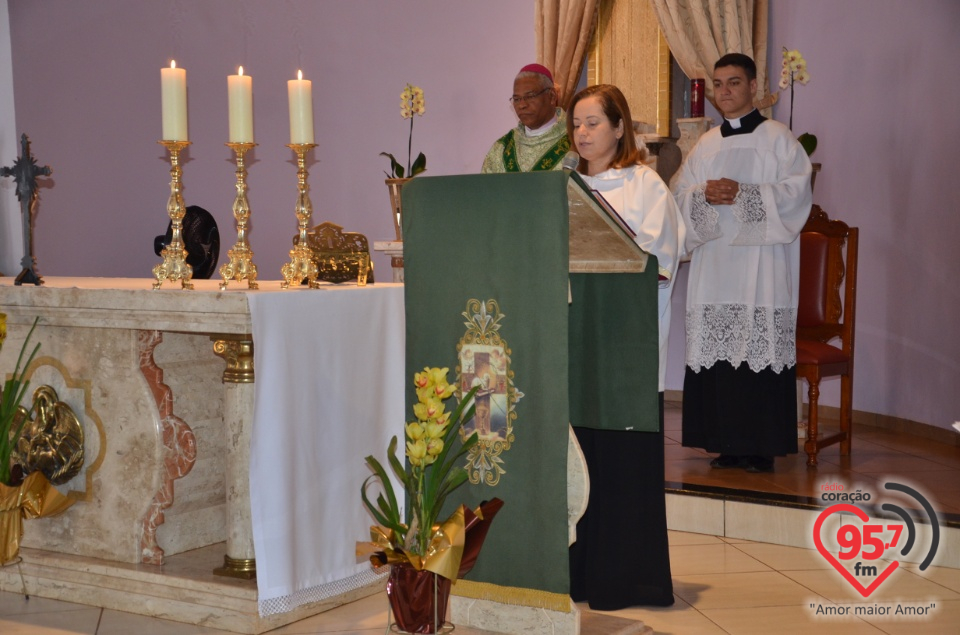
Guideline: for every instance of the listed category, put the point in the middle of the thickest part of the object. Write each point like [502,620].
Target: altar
[201,449]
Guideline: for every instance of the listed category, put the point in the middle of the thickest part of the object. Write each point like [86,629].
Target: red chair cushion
[818,353]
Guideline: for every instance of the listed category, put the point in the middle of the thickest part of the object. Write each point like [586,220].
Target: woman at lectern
[621,555]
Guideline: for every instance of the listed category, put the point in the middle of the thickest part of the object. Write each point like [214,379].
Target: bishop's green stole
[548,161]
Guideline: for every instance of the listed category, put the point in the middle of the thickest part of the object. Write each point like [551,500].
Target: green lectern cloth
[486,294]
[614,350]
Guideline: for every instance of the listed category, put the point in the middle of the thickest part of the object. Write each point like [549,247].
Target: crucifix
[25,173]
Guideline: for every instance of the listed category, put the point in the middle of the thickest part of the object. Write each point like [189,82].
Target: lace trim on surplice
[749,210]
[705,219]
[763,337]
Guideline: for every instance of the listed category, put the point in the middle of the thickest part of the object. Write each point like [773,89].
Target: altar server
[744,193]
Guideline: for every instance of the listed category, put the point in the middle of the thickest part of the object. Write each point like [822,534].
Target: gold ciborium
[241,265]
[301,266]
[174,266]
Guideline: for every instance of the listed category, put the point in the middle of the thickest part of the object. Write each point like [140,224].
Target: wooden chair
[822,317]
[340,256]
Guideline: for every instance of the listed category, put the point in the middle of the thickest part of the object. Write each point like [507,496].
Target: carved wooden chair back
[826,313]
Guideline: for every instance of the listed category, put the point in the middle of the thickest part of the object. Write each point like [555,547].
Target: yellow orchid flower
[421,380]
[428,409]
[444,390]
[434,447]
[417,104]
[437,375]
[416,451]
[411,101]
[3,328]
[415,431]
[435,430]
[424,394]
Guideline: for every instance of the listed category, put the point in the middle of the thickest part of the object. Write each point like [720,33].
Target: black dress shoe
[726,462]
[759,464]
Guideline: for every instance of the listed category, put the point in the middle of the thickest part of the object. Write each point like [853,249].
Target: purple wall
[87,88]
[882,100]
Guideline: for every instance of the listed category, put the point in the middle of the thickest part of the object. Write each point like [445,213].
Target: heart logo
[864,591]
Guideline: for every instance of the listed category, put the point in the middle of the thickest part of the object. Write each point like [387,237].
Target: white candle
[173,94]
[300,94]
[240,94]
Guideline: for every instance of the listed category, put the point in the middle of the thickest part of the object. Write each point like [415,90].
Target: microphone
[570,161]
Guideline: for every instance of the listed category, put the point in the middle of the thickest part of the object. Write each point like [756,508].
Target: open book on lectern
[600,240]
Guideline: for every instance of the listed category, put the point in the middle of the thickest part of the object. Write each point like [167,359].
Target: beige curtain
[564,29]
[700,32]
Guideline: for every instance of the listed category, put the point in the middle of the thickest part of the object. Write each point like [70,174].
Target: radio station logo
[863,545]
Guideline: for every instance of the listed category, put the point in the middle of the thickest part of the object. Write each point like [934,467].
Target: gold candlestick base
[174,266]
[301,266]
[243,568]
[241,265]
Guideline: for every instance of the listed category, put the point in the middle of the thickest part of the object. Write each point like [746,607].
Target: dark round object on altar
[201,239]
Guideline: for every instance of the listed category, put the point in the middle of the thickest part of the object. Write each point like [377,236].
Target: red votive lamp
[696,98]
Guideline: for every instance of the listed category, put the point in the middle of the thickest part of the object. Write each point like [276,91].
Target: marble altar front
[164,383]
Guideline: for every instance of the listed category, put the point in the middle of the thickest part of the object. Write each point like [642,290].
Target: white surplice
[643,200]
[744,271]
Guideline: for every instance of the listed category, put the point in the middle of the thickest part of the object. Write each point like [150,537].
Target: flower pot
[394,186]
[418,599]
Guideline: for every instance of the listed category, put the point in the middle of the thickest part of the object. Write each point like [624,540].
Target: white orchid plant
[411,103]
[795,70]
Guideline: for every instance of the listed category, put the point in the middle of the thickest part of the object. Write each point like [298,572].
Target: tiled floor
[878,456]
[722,585]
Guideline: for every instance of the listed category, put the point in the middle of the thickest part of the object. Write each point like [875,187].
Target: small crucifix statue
[25,173]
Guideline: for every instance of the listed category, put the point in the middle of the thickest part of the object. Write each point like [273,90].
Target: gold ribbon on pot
[443,553]
[34,498]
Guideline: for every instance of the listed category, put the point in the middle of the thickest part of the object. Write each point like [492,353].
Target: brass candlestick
[241,265]
[301,265]
[174,266]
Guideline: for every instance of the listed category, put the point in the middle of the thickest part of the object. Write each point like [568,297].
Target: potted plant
[411,103]
[426,555]
[21,495]
[795,70]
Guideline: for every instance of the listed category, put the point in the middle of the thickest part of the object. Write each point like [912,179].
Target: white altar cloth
[329,390]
